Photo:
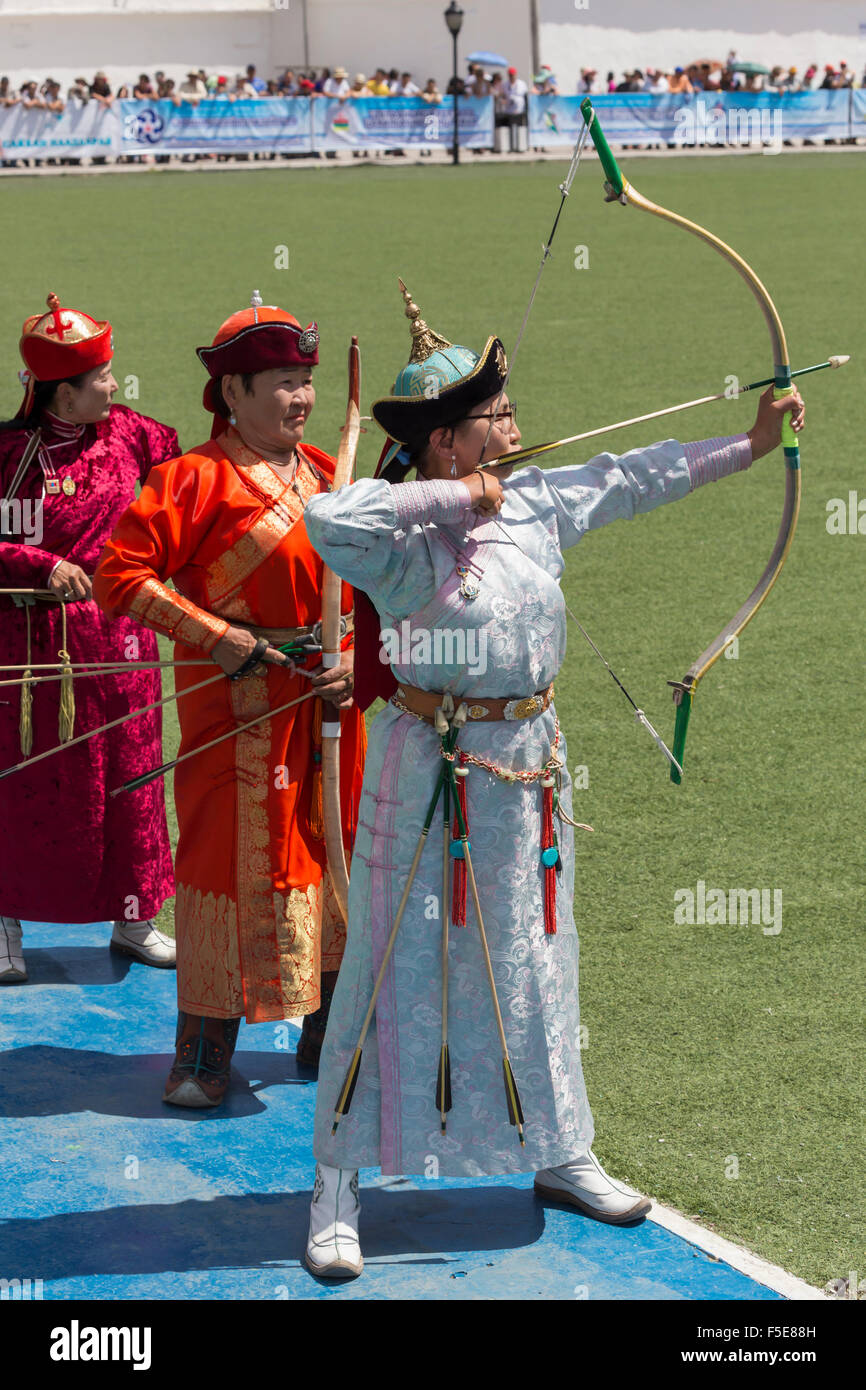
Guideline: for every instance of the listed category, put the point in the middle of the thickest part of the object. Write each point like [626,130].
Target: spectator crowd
[508,90]
[711,75]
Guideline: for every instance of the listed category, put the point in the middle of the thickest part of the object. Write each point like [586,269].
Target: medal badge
[468,587]
[68,486]
[52,486]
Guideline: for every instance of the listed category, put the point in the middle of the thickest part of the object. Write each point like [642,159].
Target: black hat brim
[410,420]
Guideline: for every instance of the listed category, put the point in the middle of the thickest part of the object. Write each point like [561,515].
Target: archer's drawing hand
[486,492]
[236,645]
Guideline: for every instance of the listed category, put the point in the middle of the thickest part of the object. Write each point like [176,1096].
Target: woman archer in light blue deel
[453,1046]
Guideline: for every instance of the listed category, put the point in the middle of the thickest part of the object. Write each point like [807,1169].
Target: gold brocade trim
[249,699]
[236,564]
[208,962]
[279,936]
[298,920]
[236,609]
[242,456]
[169,612]
[229,571]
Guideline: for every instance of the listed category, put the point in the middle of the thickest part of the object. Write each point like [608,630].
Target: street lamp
[454,20]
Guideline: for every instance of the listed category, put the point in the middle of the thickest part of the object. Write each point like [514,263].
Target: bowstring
[564,189]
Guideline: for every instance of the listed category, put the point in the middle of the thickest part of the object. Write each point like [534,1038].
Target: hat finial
[256,303]
[54,310]
[424,341]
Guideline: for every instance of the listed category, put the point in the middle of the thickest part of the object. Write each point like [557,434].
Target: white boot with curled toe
[584,1184]
[333,1249]
[143,942]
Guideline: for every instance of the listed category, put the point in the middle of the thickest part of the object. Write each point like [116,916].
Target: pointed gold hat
[424,341]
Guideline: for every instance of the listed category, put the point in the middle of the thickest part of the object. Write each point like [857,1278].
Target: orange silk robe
[256,918]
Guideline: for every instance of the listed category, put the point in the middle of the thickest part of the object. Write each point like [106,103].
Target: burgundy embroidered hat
[256,340]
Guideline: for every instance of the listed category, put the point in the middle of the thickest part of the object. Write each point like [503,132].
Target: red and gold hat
[256,340]
[62,343]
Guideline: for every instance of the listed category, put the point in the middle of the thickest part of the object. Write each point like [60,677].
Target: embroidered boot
[143,942]
[333,1249]
[13,971]
[203,1061]
[584,1184]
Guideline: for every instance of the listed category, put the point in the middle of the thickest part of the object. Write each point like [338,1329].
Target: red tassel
[458,880]
[548,842]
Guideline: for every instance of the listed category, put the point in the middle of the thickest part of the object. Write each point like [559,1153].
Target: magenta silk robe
[68,851]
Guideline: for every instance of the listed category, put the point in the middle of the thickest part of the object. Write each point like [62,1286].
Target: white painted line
[771,1276]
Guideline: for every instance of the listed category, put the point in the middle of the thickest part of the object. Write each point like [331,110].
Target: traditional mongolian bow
[564,189]
[331,647]
[618,189]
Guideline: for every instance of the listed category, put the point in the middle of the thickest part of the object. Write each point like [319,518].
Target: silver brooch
[308,341]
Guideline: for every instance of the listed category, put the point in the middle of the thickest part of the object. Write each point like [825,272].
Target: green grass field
[706,1044]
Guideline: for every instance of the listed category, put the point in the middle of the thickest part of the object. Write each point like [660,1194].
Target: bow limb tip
[641,718]
[683,697]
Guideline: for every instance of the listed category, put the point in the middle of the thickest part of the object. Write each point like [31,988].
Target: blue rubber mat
[110,1194]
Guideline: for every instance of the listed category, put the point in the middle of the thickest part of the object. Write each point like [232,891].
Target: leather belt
[310,636]
[424,704]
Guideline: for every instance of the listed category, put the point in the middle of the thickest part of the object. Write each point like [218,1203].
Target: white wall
[624,34]
[128,41]
[125,37]
[65,38]
[366,34]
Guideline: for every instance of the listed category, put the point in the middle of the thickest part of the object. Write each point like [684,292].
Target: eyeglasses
[507,412]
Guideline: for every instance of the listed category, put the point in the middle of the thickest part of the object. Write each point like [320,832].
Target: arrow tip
[840,360]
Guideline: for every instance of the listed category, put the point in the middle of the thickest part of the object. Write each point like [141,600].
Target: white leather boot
[333,1250]
[584,1184]
[143,942]
[13,971]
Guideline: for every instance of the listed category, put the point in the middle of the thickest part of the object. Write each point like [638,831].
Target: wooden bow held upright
[618,189]
[331,646]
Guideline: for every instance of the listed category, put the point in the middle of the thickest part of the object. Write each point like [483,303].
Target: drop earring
[232,419]
[453,466]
